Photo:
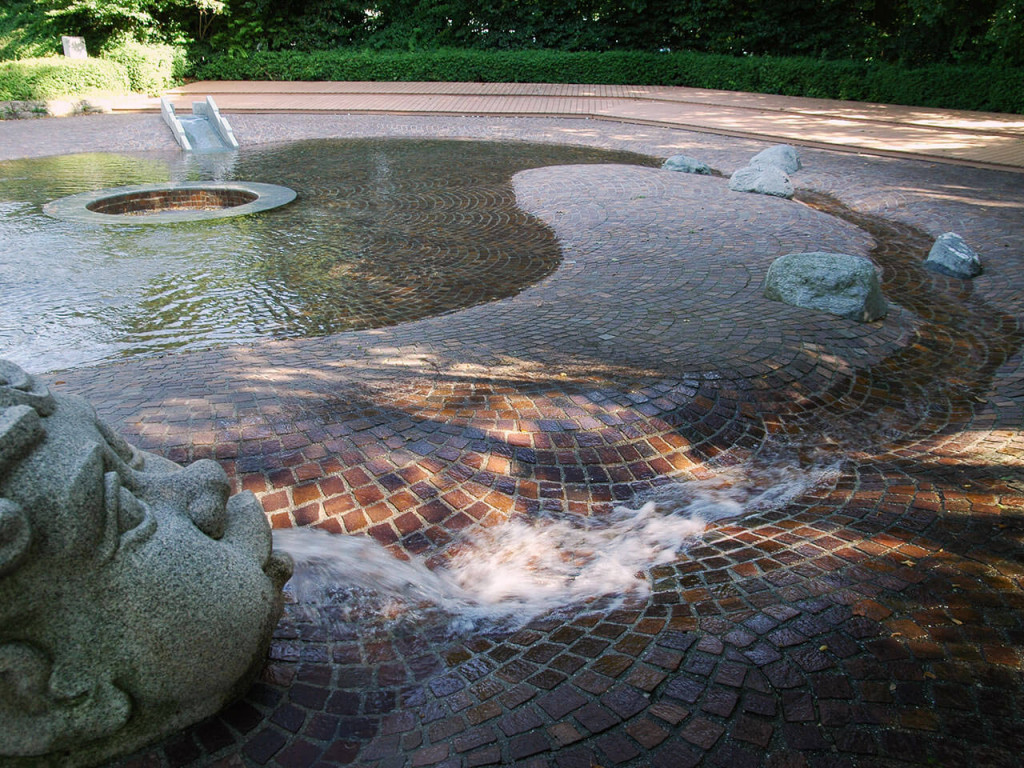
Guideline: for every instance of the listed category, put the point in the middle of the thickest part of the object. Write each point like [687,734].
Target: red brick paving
[872,622]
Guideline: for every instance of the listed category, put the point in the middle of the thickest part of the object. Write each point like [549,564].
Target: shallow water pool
[382,232]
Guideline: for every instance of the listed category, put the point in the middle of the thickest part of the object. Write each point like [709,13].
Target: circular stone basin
[165,203]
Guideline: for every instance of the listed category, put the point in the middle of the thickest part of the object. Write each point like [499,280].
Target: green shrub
[48,78]
[999,89]
[152,68]
[24,32]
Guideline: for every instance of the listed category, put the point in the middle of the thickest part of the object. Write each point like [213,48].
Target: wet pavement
[874,620]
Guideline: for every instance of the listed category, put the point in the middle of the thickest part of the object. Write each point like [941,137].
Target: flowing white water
[504,576]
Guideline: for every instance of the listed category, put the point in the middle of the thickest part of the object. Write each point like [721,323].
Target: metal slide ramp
[205,130]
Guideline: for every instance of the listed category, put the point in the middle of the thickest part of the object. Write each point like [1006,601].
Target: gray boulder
[950,255]
[783,156]
[837,283]
[686,164]
[766,180]
[136,598]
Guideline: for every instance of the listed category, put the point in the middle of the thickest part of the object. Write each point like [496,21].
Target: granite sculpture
[136,597]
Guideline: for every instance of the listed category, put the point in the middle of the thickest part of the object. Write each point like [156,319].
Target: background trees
[913,32]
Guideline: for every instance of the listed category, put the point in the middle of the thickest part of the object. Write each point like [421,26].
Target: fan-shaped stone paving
[873,620]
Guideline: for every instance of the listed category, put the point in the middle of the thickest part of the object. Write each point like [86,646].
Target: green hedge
[956,87]
[125,67]
[152,68]
[48,78]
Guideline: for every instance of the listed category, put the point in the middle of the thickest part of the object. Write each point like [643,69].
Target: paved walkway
[873,619]
[973,137]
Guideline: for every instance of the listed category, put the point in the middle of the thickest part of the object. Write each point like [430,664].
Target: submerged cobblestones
[874,621]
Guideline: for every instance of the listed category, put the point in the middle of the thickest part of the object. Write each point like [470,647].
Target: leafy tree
[1006,33]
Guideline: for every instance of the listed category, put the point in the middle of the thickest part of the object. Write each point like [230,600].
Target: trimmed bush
[48,78]
[152,68]
[999,89]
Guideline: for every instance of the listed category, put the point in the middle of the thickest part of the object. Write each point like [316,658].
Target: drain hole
[164,200]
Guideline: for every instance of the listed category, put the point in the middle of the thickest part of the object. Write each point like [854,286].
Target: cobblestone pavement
[873,620]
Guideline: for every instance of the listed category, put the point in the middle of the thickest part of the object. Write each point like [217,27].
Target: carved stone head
[135,596]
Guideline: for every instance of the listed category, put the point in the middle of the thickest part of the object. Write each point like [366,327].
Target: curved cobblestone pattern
[874,621]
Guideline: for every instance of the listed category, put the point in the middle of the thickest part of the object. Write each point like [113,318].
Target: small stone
[783,156]
[837,283]
[686,164]
[951,256]
[766,180]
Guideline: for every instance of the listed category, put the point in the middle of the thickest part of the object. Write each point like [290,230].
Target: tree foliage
[912,32]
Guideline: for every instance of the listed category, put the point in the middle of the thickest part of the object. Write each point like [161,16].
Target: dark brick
[785,637]
[181,750]
[617,748]
[301,754]
[516,696]
[357,727]
[264,745]
[670,713]
[797,706]
[762,654]
[760,623]
[591,647]
[734,756]
[720,702]
[519,721]
[321,727]
[831,687]
[342,752]
[701,664]
[730,674]
[578,757]
[595,718]
[398,722]
[684,689]
[591,682]
[446,685]
[752,730]
[214,735]
[561,702]
[547,679]
[802,737]
[647,733]
[833,713]
[289,717]
[759,703]
[702,732]
[625,701]
[678,641]
[487,756]
[528,744]
[474,737]
[242,716]
[429,755]
[903,746]
[308,696]
[856,740]
[677,754]
[784,675]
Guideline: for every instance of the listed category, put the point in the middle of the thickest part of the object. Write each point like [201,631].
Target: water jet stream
[502,577]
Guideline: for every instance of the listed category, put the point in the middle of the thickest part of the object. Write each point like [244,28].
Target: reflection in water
[384,231]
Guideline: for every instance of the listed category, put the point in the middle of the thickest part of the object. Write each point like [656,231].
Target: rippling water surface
[383,231]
